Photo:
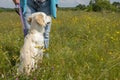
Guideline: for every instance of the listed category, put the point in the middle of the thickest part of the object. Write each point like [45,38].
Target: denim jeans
[33,7]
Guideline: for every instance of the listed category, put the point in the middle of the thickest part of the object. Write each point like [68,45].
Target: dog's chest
[38,39]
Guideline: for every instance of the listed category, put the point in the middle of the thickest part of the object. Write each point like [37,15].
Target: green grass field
[83,46]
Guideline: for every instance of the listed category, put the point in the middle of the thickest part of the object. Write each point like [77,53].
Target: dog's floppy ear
[29,19]
[40,20]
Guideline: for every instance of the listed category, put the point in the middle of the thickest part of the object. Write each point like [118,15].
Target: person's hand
[16,1]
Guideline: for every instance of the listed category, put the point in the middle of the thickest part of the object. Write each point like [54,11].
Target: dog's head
[39,18]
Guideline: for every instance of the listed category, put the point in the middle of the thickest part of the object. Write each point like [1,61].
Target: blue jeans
[33,7]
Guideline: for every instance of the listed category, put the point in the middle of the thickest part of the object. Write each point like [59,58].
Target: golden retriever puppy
[32,50]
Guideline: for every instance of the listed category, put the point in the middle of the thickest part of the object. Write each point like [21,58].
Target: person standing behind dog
[27,7]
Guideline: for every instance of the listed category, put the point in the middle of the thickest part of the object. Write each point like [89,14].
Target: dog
[32,50]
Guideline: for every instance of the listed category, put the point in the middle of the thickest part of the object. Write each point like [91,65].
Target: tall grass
[83,46]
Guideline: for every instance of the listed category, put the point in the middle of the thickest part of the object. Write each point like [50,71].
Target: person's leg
[46,35]
[45,7]
[30,8]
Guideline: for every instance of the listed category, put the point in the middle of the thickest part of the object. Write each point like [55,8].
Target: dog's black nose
[48,22]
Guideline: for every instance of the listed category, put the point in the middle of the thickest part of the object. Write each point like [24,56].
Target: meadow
[83,46]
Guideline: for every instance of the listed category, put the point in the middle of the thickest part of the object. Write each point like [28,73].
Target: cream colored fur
[32,50]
